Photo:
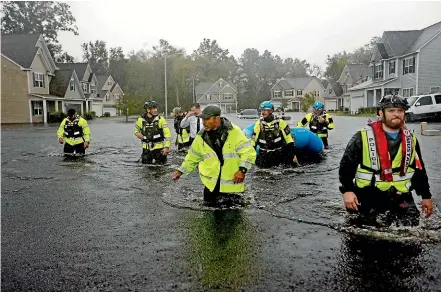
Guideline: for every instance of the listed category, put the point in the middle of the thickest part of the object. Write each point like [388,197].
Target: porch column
[44,111]
[382,93]
[87,106]
[30,111]
[62,106]
[56,105]
[82,108]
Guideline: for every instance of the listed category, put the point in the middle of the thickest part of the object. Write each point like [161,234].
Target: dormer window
[86,87]
[72,85]
[378,71]
[92,88]
[38,80]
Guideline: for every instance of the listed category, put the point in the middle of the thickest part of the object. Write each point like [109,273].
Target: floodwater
[107,222]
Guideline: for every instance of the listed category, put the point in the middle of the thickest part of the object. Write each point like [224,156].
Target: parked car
[280,113]
[248,114]
[425,106]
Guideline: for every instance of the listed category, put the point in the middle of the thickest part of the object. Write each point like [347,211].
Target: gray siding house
[405,62]
[220,92]
[333,96]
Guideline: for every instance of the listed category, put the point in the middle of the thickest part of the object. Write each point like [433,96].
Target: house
[289,91]
[352,75]
[220,92]
[88,83]
[26,73]
[65,84]
[110,92]
[333,96]
[403,62]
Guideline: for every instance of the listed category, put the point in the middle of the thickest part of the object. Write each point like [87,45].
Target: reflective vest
[184,136]
[368,173]
[270,136]
[72,129]
[236,151]
[74,132]
[156,132]
[315,126]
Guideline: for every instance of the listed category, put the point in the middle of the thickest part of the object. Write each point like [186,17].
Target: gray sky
[302,29]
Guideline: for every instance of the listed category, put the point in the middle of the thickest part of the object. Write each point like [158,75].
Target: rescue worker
[182,134]
[223,155]
[385,160]
[319,122]
[273,136]
[74,132]
[153,131]
[192,120]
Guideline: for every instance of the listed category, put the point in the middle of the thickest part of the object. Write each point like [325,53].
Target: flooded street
[107,222]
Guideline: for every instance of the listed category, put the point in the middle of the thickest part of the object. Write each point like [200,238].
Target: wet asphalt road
[107,223]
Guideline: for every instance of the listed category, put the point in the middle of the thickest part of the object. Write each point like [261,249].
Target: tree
[96,55]
[45,17]
[117,65]
[307,101]
[129,105]
[335,65]
[315,70]
[65,58]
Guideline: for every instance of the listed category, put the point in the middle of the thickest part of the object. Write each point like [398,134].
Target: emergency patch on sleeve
[287,130]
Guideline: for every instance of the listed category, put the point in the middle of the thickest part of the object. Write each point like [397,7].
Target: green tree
[97,57]
[307,101]
[117,65]
[45,17]
[128,105]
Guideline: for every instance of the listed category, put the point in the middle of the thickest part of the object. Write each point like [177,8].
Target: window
[407,92]
[37,108]
[289,93]
[107,97]
[208,96]
[438,99]
[316,93]
[85,87]
[72,85]
[38,80]
[109,82]
[277,93]
[392,67]
[299,93]
[92,88]
[434,89]
[409,65]
[425,100]
[228,96]
[330,90]
[378,71]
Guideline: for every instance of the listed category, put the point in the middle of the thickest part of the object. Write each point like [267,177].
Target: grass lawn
[340,113]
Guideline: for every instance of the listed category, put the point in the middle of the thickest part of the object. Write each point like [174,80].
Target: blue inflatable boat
[304,139]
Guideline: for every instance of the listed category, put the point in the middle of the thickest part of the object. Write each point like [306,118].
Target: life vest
[372,171]
[270,135]
[183,135]
[72,129]
[151,130]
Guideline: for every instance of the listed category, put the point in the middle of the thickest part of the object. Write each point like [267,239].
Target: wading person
[385,161]
[273,136]
[182,134]
[74,132]
[153,131]
[319,122]
[193,121]
[223,155]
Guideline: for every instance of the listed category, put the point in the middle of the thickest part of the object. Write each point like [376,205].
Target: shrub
[56,117]
[93,114]
[367,110]
[88,116]
[106,114]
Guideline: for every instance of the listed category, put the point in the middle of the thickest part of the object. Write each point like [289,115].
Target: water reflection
[368,264]
[221,248]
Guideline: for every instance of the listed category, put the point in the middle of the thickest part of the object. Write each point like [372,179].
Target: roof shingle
[20,48]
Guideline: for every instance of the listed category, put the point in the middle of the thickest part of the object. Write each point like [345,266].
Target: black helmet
[394,100]
[150,104]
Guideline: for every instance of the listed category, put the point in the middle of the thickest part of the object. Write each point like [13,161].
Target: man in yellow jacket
[319,122]
[223,155]
[153,131]
[74,132]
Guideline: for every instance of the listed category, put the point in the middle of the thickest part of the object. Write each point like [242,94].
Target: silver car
[248,114]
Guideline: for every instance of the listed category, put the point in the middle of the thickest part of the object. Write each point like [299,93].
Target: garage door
[330,105]
[110,110]
[98,109]
[356,103]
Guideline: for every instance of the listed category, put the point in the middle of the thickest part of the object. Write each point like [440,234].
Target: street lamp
[165,80]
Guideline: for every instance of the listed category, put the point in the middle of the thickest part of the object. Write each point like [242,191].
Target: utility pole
[194,96]
[165,85]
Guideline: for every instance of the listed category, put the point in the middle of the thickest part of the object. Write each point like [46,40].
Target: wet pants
[215,198]
[71,149]
[325,142]
[386,206]
[184,145]
[149,155]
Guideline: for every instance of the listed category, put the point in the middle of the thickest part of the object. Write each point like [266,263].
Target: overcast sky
[299,29]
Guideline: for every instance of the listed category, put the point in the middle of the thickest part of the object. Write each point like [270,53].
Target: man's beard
[393,123]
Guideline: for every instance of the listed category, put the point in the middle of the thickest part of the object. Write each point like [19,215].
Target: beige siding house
[110,92]
[26,59]
[220,92]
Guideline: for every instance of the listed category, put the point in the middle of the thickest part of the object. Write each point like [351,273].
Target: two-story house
[65,84]
[220,92]
[333,96]
[110,92]
[352,75]
[26,72]
[405,62]
[288,92]
[89,84]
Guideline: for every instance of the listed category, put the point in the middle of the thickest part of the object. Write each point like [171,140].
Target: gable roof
[80,68]
[60,82]
[426,34]
[20,48]
[102,80]
[336,88]
[203,87]
[355,70]
[113,86]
